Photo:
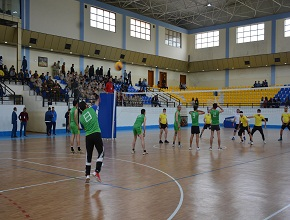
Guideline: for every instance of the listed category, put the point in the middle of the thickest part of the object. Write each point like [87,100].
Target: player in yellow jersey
[163,124]
[207,122]
[285,118]
[244,126]
[258,124]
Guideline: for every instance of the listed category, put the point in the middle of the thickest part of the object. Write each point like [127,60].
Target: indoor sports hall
[205,84]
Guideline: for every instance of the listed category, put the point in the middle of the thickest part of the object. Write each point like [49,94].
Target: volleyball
[118,66]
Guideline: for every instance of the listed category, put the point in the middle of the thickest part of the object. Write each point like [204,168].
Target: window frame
[207,39]
[250,33]
[173,38]
[140,29]
[287,27]
[102,19]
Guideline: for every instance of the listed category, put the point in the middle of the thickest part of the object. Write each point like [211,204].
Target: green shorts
[74,129]
[176,128]
[137,130]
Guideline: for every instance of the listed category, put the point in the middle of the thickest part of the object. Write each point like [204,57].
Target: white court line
[46,165]
[40,184]
[279,211]
[177,183]
[193,149]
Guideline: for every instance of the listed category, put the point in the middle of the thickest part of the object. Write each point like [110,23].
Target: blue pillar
[227,78]
[124,39]
[157,53]
[227,42]
[273,37]
[273,75]
[82,34]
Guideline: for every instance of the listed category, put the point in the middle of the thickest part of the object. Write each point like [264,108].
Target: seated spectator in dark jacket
[182,86]
[265,83]
[155,101]
[259,84]
[255,84]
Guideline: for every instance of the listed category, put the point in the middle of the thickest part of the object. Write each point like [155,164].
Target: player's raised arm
[221,109]
[200,112]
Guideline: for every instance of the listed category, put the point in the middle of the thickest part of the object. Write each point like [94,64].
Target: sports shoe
[244,138]
[173,145]
[210,148]
[160,142]
[97,175]
[72,151]
[133,151]
[265,142]
[180,145]
[198,148]
[190,148]
[251,142]
[145,152]
[220,148]
[80,151]
[166,141]
[200,135]
[280,139]
[233,138]
[242,141]
[87,178]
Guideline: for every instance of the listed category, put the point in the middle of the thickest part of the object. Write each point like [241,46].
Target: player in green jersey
[90,123]
[177,121]
[74,127]
[195,126]
[137,131]
[215,124]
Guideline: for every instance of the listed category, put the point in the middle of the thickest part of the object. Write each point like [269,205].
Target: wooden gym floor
[40,179]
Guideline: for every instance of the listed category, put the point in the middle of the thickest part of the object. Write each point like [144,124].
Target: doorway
[163,79]
[183,79]
[150,78]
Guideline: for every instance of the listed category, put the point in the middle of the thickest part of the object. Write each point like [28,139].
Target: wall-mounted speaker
[32,40]
[67,46]
[97,52]
[144,60]
[277,60]
[122,56]
[247,63]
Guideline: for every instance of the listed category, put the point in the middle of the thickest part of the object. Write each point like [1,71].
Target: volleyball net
[264,97]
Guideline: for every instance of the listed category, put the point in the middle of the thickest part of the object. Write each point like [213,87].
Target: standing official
[53,120]
[23,117]
[14,123]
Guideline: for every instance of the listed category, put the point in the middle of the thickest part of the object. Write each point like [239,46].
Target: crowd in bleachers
[270,103]
[259,84]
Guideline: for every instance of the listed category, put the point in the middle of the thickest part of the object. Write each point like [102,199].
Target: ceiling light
[70,52]
[29,46]
[249,66]
[167,68]
[203,70]
[5,42]
[88,55]
[132,63]
[51,49]
[14,12]
[104,58]
[188,71]
[156,66]
[266,65]
[208,5]
[285,63]
[217,69]
[233,67]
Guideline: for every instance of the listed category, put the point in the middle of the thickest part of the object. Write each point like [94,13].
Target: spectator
[54,120]
[265,104]
[109,86]
[54,69]
[196,102]
[14,123]
[192,102]
[259,84]
[72,69]
[109,73]
[67,129]
[155,101]
[23,118]
[265,83]
[125,76]
[262,102]
[87,70]
[91,71]
[63,68]
[1,63]
[58,68]
[24,64]
[255,84]
[48,121]
[182,86]
[129,78]
[101,71]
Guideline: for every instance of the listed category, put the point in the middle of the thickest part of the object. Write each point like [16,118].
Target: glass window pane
[93,10]
[254,33]
[178,45]
[106,20]
[106,27]
[166,41]
[93,23]
[261,37]
[138,34]
[100,25]
[100,19]
[142,36]
[254,27]
[112,28]
[247,28]
[132,33]
[132,21]
[112,16]
[247,39]
[147,37]
[254,38]
[261,26]
[216,43]
[133,28]
[148,26]
[143,30]
[93,17]
[142,24]
[100,12]
[287,34]
[147,31]
[137,23]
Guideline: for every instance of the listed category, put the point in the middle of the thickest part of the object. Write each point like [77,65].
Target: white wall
[215,79]
[251,48]
[139,45]
[152,115]
[282,75]
[282,43]
[207,53]
[247,77]
[52,57]
[9,55]
[172,52]
[6,116]
[61,18]
[100,36]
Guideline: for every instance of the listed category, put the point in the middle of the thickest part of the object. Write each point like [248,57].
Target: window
[250,33]
[172,38]
[287,27]
[207,39]
[103,19]
[140,29]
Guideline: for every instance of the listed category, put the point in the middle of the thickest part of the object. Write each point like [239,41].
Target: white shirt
[237,118]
